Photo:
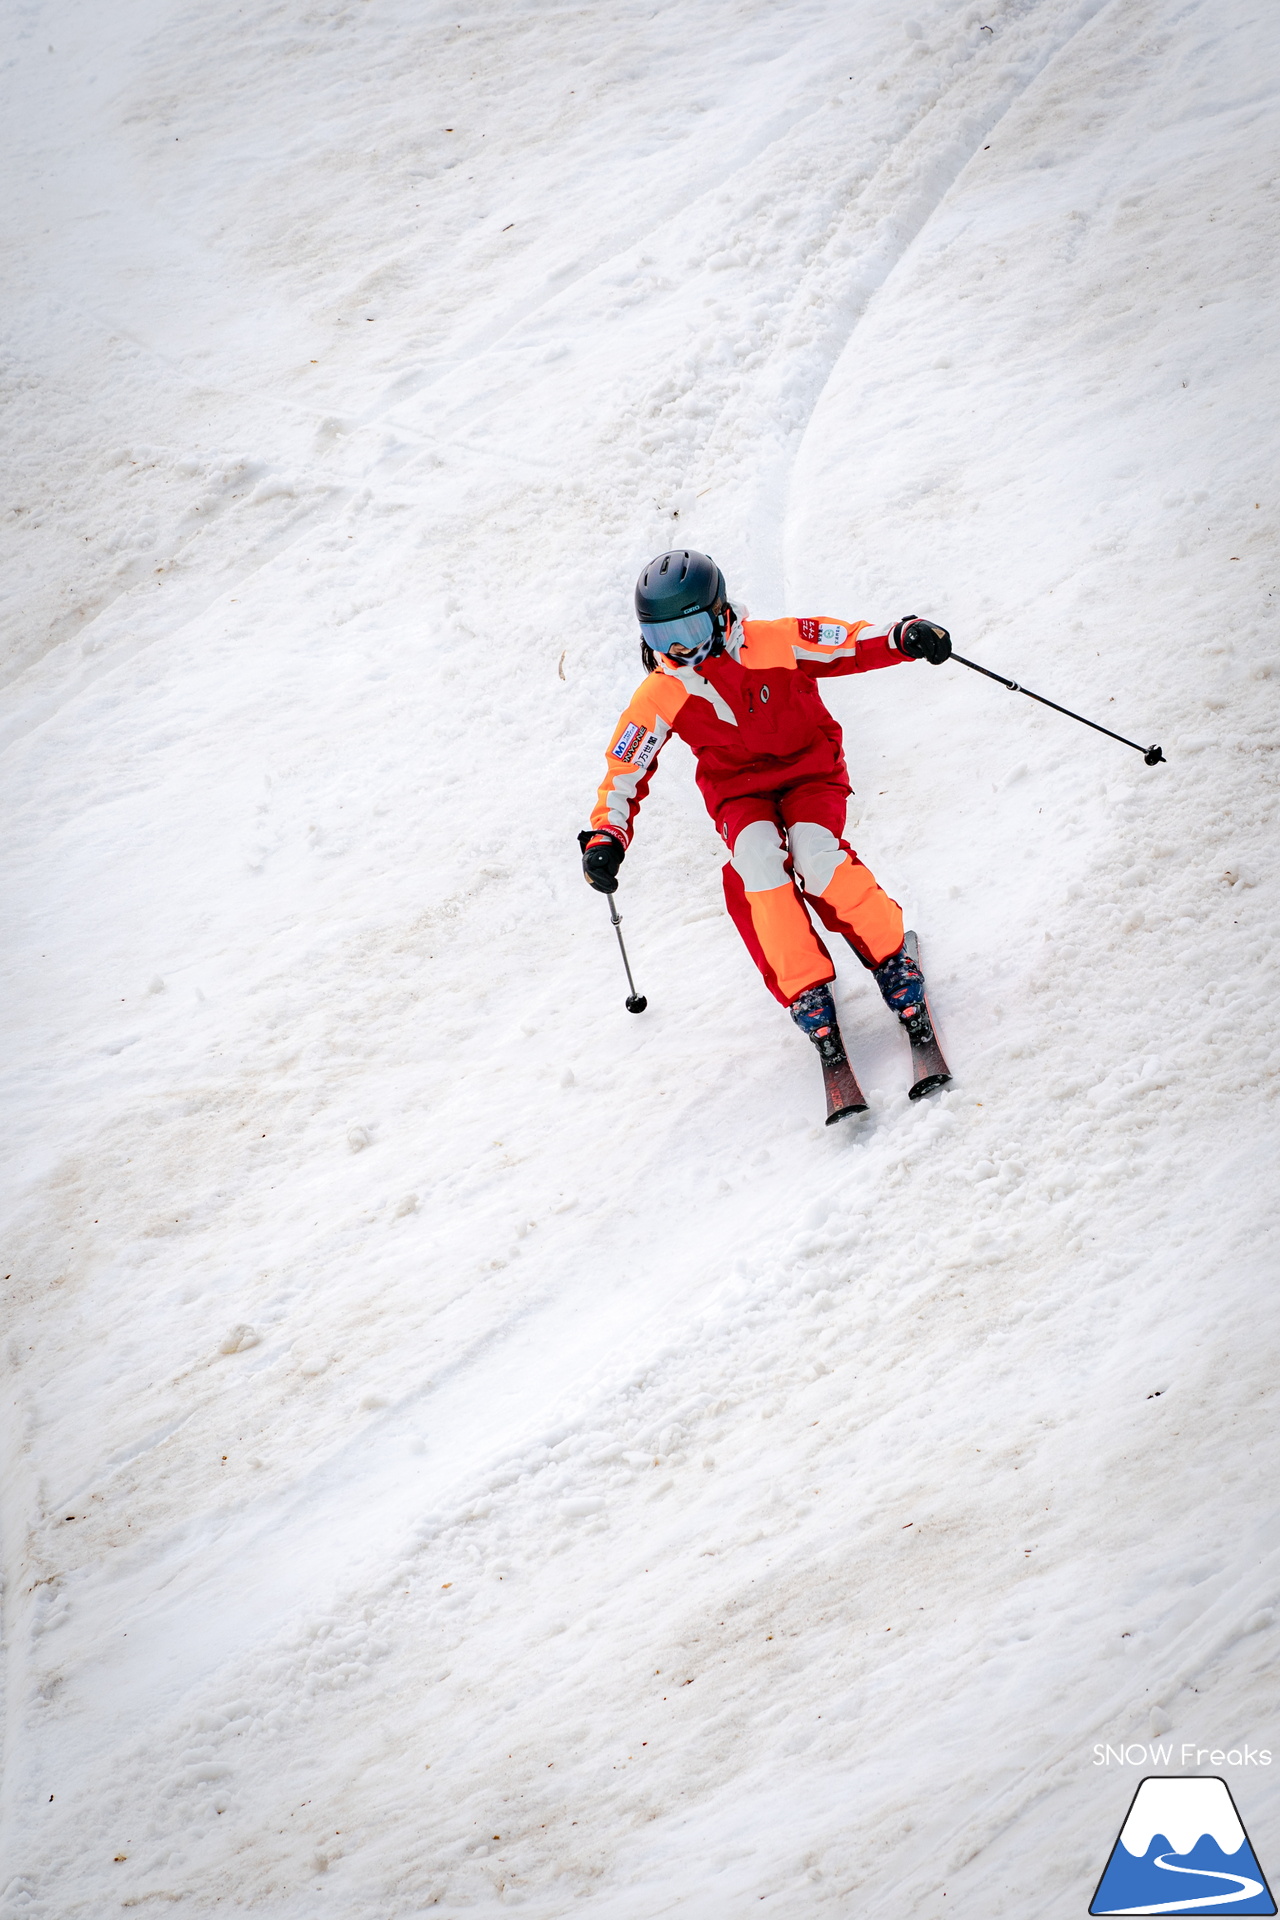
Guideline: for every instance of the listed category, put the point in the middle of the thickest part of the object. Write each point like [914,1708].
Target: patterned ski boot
[814,1012]
[901,982]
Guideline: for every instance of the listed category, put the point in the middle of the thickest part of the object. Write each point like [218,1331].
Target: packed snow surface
[464,1446]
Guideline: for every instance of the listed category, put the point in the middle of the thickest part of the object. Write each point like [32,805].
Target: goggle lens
[693,630]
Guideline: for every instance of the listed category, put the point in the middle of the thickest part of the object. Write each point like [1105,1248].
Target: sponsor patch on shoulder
[627,742]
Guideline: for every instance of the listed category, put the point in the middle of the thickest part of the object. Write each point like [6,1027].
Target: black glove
[602,855]
[922,640]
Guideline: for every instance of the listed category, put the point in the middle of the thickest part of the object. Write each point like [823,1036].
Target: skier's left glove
[922,640]
[602,855]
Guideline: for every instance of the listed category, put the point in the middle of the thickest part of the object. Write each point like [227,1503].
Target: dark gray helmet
[676,584]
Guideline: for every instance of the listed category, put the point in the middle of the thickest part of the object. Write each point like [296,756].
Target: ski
[844,1095]
[814,1012]
[931,1069]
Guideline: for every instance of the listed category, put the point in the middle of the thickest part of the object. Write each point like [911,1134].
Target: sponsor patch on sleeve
[648,747]
[822,633]
[636,747]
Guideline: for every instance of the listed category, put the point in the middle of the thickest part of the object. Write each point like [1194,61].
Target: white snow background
[465,1446]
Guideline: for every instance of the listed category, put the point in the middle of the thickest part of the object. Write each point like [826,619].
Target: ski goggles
[692,631]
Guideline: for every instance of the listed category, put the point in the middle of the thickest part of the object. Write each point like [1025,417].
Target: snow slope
[466,1447]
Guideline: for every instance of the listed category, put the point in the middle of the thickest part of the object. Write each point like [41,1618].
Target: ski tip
[843,1113]
[928,1085]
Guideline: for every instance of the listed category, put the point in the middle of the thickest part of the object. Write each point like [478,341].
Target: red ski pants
[786,849]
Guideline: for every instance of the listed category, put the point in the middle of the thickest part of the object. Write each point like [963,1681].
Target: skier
[771,768]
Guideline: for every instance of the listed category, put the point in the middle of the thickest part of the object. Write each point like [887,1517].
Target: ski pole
[1152,755]
[636,1002]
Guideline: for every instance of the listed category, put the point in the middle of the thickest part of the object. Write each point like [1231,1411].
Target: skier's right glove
[922,640]
[602,855]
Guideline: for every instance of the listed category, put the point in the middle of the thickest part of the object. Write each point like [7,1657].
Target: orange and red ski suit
[771,768]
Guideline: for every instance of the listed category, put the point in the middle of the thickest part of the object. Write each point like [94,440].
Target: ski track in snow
[466,1447]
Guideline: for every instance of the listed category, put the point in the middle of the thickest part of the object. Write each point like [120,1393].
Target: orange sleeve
[638,739]
[824,648]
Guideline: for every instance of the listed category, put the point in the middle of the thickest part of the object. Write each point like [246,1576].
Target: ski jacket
[752,715]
